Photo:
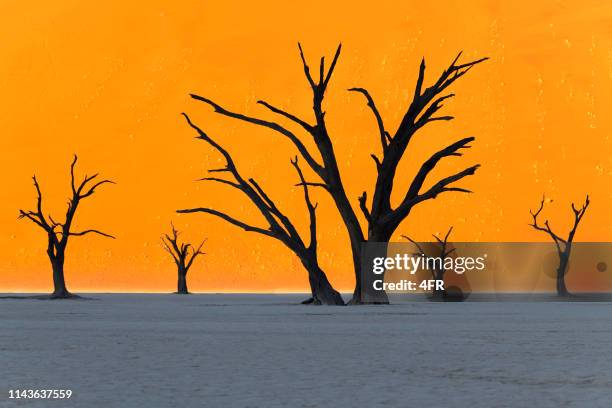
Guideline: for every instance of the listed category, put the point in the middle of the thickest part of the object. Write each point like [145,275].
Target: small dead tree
[442,252]
[280,226]
[183,255]
[564,245]
[58,233]
[382,217]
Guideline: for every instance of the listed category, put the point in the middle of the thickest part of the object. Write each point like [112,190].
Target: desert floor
[129,350]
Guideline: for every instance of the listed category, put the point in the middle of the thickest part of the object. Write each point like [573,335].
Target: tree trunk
[351,223]
[313,291]
[438,294]
[561,271]
[377,245]
[356,245]
[323,292]
[356,238]
[369,295]
[182,283]
[59,284]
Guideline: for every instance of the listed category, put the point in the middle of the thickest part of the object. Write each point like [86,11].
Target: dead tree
[564,245]
[58,233]
[442,252]
[280,227]
[382,218]
[183,255]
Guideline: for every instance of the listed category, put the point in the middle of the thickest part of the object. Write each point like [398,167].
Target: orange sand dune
[109,84]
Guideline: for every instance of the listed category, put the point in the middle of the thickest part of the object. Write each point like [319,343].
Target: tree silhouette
[564,246]
[382,218]
[183,255]
[280,227]
[442,252]
[58,233]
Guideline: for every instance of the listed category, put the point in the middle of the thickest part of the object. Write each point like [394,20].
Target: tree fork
[183,254]
[382,219]
[564,245]
[58,233]
[280,227]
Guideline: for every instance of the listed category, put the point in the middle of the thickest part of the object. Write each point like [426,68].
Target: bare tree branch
[425,104]
[312,215]
[32,217]
[93,188]
[448,234]
[39,210]
[91,231]
[546,228]
[376,161]
[166,246]
[440,187]
[319,88]
[443,253]
[430,164]
[222,181]
[308,127]
[270,125]
[72,165]
[374,109]
[306,68]
[419,247]
[229,219]
[331,68]
[579,213]
[197,251]
[312,184]
[420,79]
[364,207]
[254,192]
[288,226]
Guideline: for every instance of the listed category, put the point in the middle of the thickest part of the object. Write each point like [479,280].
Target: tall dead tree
[183,255]
[442,251]
[382,218]
[58,233]
[280,227]
[564,245]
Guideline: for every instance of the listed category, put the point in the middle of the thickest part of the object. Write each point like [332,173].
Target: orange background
[109,84]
